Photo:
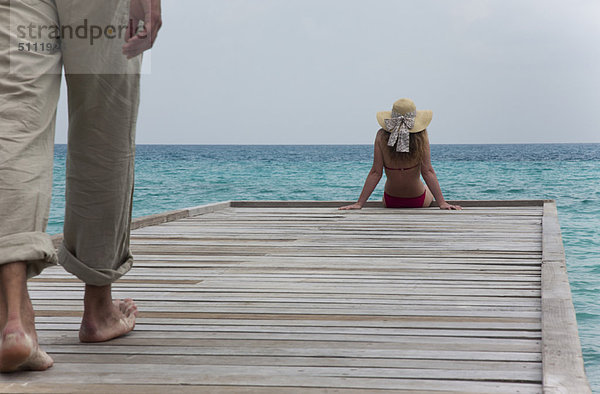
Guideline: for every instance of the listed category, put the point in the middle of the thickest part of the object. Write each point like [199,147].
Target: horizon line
[370,144]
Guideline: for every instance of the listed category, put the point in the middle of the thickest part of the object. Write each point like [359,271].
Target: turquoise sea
[170,177]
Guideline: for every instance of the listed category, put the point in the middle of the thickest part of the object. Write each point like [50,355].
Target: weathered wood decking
[299,297]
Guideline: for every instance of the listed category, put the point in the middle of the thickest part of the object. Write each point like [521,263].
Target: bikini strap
[401,169]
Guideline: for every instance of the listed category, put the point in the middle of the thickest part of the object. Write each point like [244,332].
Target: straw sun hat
[402,120]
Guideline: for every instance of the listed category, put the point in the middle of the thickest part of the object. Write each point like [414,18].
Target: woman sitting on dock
[402,148]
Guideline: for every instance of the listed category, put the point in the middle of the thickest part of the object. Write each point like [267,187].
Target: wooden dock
[296,297]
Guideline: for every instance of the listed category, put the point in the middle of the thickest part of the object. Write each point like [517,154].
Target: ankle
[13,318]
[96,297]
[18,322]
[13,289]
[13,326]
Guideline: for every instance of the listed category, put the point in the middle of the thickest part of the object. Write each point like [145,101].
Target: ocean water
[171,177]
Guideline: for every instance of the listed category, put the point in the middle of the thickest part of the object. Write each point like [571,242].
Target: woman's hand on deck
[451,207]
[349,207]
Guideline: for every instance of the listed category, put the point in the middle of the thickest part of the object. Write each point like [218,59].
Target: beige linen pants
[103,95]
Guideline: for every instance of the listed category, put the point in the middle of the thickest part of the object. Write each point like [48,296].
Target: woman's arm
[372,179]
[430,178]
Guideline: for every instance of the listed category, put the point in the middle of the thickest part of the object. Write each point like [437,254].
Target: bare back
[403,176]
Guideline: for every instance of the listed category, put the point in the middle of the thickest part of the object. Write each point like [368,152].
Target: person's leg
[428,197]
[29,89]
[103,90]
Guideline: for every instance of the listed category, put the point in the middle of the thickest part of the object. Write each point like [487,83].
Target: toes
[128,307]
[132,310]
[129,302]
[130,314]
[129,323]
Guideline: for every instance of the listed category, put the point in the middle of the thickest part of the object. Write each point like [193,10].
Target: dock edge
[562,360]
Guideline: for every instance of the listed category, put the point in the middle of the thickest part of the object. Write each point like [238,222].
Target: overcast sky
[317,71]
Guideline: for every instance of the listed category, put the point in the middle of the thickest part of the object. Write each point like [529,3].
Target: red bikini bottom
[399,202]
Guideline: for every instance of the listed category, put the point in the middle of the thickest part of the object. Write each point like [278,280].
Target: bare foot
[105,323]
[19,349]
[20,352]
[39,361]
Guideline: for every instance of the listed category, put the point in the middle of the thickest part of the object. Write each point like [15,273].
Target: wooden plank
[78,388]
[185,321]
[194,389]
[373,213]
[243,273]
[440,313]
[315,372]
[201,380]
[325,299]
[356,319]
[153,220]
[562,359]
[338,289]
[403,262]
[160,328]
[378,204]
[302,350]
[529,368]
[329,342]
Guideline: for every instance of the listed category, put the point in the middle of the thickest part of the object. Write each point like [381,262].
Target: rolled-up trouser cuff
[35,249]
[94,277]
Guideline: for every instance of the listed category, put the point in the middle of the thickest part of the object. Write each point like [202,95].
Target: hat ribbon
[399,125]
